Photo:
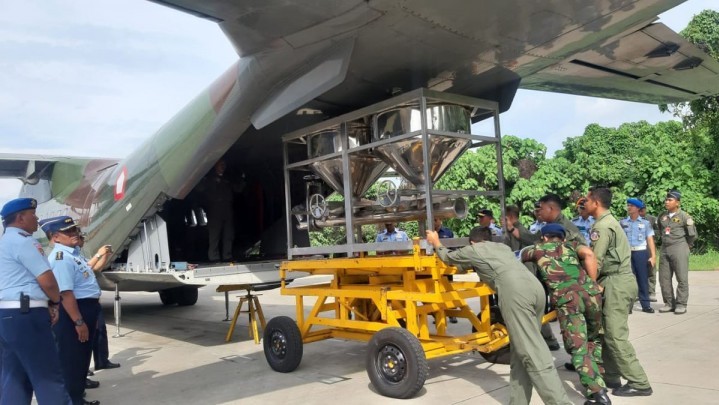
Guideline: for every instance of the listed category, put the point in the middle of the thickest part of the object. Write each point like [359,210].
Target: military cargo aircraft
[301,62]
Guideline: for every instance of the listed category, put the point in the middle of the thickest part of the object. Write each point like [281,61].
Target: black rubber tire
[501,356]
[282,344]
[168,296]
[396,363]
[186,296]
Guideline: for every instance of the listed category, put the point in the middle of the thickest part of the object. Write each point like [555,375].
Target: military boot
[599,397]
[680,309]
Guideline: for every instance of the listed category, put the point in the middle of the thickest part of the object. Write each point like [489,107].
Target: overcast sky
[96,77]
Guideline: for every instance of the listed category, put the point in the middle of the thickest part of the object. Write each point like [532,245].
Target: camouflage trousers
[580,319]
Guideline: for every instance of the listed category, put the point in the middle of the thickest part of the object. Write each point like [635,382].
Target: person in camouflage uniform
[577,297]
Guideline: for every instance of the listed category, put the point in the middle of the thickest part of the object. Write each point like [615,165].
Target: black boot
[599,397]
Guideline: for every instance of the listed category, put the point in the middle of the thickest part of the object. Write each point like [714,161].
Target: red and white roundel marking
[120,184]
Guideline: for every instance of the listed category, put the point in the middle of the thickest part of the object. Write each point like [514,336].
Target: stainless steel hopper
[365,168]
[405,156]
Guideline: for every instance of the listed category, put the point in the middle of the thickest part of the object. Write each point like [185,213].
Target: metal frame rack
[421,98]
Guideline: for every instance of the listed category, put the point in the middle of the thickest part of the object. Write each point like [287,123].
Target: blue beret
[674,194]
[17,205]
[57,224]
[636,202]
[553,229]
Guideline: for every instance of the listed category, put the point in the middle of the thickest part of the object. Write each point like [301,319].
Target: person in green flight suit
[611,248]
[577,297]
[521,300]
[678,234]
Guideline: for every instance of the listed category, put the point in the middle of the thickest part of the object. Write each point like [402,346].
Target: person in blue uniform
[486,218]
[442,231]
[392,234]
[583,221]
[537,225]
[75,330]
[641,242]
[100,345]
[29,296]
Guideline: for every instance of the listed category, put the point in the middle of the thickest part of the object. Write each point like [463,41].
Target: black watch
[56,303]
[79,322]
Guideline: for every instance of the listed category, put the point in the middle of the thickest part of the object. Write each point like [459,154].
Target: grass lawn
[704,262]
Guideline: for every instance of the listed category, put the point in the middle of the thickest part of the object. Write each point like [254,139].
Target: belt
[638,248]
[16,304]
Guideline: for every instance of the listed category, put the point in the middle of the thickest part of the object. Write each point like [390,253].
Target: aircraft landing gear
[182,296]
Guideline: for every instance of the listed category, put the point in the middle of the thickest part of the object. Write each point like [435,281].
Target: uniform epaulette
[58,255]
[24,234]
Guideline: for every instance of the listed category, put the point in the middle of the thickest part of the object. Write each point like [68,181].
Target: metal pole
[288,202]
[425,157]
[347,183]
[227,306]
[117,311]
[500,167]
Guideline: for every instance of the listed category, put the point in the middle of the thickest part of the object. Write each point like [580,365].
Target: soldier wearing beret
[611,248]
[75,330]
[29,297]
[522,301]
[641,242]
[678,234]
[577,297]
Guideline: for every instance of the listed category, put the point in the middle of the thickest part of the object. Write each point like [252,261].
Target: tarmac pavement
[177,355]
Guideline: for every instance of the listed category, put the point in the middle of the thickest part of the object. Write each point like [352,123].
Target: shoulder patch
[690,221]
[58,255]
[594,236]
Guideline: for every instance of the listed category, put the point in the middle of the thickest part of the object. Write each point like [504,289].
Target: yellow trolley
[390,302]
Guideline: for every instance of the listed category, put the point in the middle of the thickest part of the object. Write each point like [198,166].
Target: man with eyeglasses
[75,330]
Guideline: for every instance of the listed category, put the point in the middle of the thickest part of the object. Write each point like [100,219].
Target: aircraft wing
[26,167]
[652,65]
[486,49]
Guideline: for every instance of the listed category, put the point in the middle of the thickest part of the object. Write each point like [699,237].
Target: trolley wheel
[500,356]
[396,364]
[282,344]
